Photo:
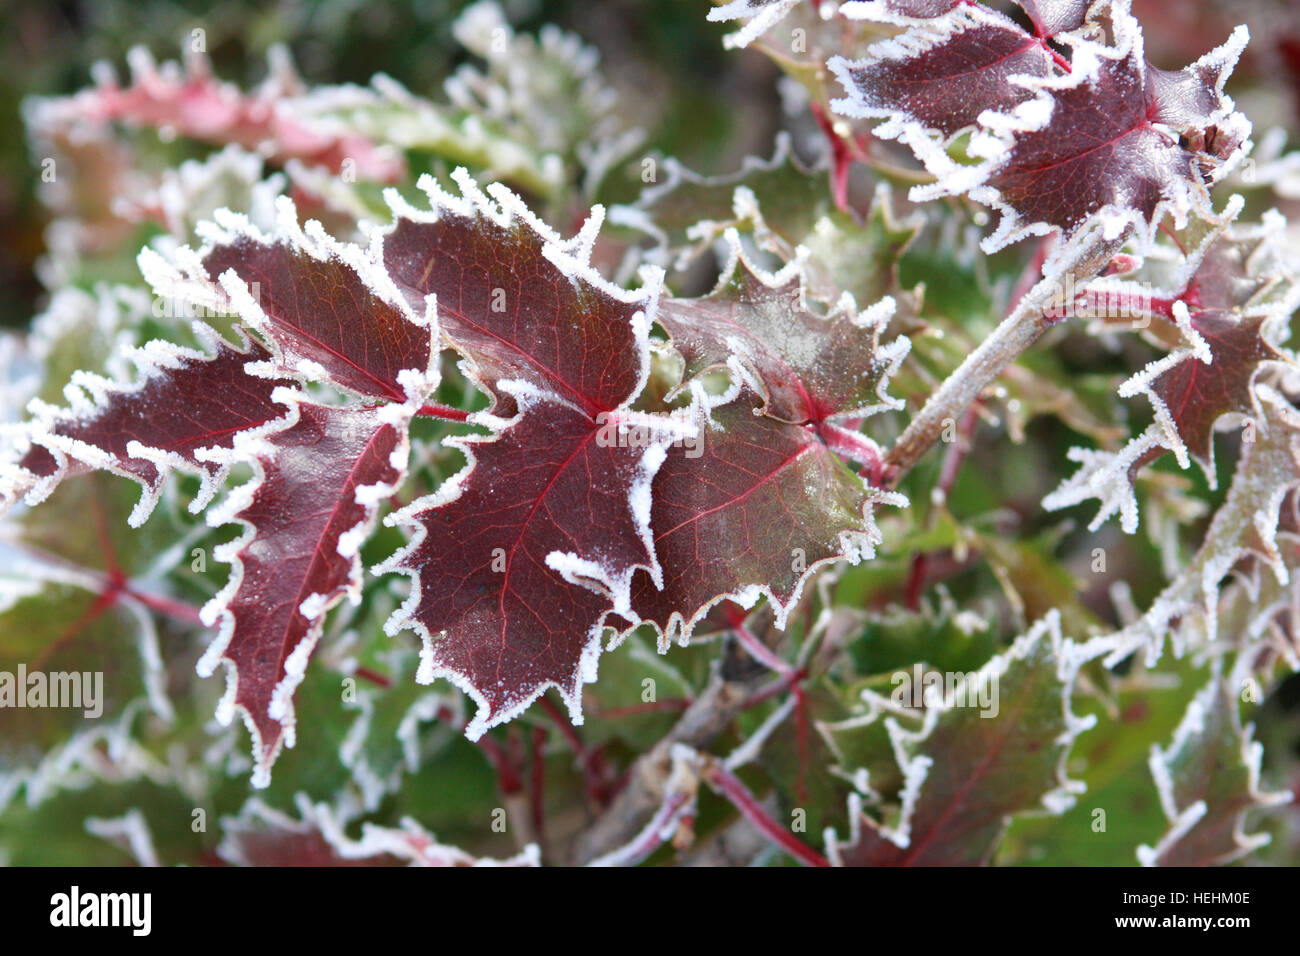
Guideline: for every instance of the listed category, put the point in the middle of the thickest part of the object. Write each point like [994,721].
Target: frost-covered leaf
[191,193]
[1134,711]
[1049,17]
[319,480]
[861,256]
[898,11]
[938,634]
[686,212]
[80,654]
[518,301]
[264,836]
[190,101]
[517,560]
[810,366]
[1246,524]
[1223,311]
[944,74]
[1227,309]
[1196,393]
[325,307]
[1105,138]
[100,819]
[757,17]
[387,739]
[1127,142]
[545,94]
[863,748]
[1208,779]
[752,509]
[185,405]
[978,759]
[1054,17]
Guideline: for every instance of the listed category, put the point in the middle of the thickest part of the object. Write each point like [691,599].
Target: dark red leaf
[1052,17]
[946,74]
[1197,395]
[753,510]
[513,312]
[1129,138]
[313,501]
[186,402]
[318,307]
[517,562]
[514,621]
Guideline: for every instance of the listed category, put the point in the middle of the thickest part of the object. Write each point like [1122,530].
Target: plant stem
[770,659]
[537,782]
[443,412]
[731,787]
[1029,318]
[590,766]
[948,470]
[1003,346]
[676,803]
[709,715]
[178,610]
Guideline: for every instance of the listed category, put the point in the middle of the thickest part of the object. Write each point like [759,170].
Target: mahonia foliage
[472,426]
[519,561]
[1060,140]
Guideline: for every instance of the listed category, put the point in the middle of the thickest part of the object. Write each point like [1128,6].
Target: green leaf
[969,769]
[1208,779]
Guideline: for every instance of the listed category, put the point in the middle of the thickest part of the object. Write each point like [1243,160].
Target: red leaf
[517,561]
[1102,134]
[323,306]
[314,498]
[1197,394]
[899,11]
[1053,17]
[756,512]
[945,74]
[1127,139]
[186,405]
[487,563]
[1049,17]
[262,836]
[515,301]
[1230,304]
[194,104]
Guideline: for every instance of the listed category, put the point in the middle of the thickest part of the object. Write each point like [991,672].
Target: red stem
[444,412]
[650,707]
[731,787]
[537,783]
[953,458]
[855,446]
[179,610]
[589,762]
[766,656]
[372,677]
[777,687]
